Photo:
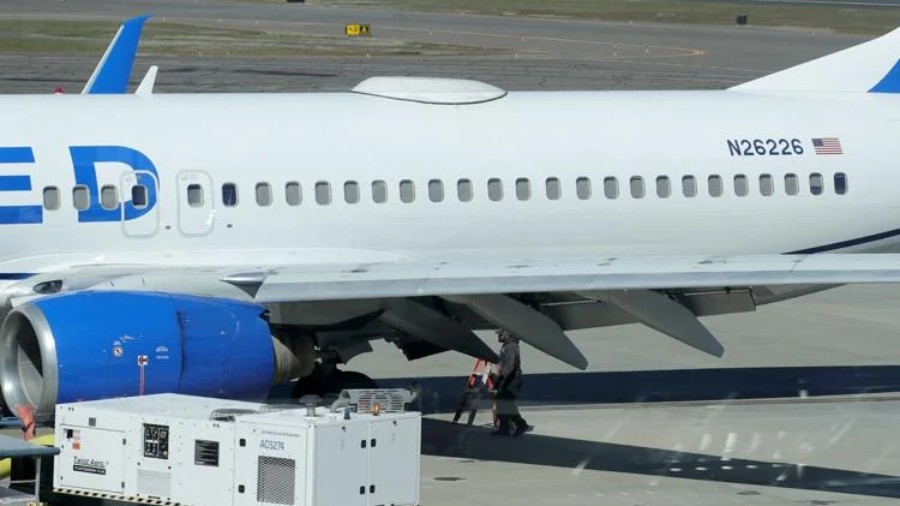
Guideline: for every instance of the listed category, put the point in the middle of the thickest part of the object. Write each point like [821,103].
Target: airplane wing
[420,278]
[446,278]
[423,307]
[644,289]
[635,285]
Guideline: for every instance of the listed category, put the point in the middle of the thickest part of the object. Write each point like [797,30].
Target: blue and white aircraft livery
[220,244]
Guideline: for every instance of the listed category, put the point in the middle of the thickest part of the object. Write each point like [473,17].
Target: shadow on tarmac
[441,438]
[442,394]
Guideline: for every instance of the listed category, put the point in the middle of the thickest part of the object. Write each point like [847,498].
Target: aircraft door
[195,203]
[139,203]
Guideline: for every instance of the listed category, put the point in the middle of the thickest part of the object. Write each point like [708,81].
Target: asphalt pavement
[535,53]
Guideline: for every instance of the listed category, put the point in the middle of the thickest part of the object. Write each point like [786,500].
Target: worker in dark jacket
[509,382]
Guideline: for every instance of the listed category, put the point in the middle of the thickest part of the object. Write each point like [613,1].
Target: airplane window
[464,190]
[139,196]
[523,188]
[81,199]
[436,190]
[741,186]
[766,185]
[495,189]
[583,188]
[816,183]
[109,197]
[407,191]
[264,194]
[379,191]
[51,198]
[229,195]
[840,183]
[611,187]
[553,189]
[637,187]
[351,192]
[292,193]
[194,195]
[689,186]
[323,193]
[791,184]
[715,186]
[663,187]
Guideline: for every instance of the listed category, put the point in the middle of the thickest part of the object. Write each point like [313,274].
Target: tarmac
[761,453]
[800,410]
[533,53]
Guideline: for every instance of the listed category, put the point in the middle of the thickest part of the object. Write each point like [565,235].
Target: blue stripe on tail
[890,83]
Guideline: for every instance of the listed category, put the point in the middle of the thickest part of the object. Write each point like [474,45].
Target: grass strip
[54,37]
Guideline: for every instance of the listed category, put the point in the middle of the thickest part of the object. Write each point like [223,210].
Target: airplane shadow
[442,394]
[441,438]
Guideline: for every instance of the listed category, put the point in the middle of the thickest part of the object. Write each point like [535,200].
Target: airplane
[220,244]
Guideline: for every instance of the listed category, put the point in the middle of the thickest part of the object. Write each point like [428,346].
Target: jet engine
[95,345]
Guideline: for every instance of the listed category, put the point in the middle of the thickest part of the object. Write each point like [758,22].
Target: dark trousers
[508,411]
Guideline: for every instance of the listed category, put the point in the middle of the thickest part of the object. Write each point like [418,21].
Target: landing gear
[328,381]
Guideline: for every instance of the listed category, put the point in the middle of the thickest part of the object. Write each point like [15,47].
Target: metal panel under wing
[661,313]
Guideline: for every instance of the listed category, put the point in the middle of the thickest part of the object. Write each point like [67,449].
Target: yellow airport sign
[357,30]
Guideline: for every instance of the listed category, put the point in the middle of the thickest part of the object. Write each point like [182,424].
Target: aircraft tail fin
[872,67]
[114,70]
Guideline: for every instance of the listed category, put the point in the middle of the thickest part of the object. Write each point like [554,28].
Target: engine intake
[95,345]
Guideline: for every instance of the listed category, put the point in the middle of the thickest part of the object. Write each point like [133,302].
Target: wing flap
[436,328]
[662,314]
[528,325]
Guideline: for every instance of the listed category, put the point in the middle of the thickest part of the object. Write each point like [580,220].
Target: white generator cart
[194,451]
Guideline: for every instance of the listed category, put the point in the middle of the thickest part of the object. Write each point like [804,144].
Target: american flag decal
[827,146]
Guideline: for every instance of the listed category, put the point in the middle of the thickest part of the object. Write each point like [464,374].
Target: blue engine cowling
[95,345]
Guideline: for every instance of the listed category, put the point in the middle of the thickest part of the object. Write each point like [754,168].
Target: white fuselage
[350,140]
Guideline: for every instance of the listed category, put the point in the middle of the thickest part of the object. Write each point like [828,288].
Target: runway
[622,432]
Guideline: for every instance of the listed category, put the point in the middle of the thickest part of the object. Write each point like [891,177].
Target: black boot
[522,429]
[502,428]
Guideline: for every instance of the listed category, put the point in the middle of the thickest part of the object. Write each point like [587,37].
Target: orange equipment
[480,380]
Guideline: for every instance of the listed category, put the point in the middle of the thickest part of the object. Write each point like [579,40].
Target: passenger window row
[465,190]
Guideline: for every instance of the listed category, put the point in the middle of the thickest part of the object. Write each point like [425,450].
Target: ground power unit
[180,450]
